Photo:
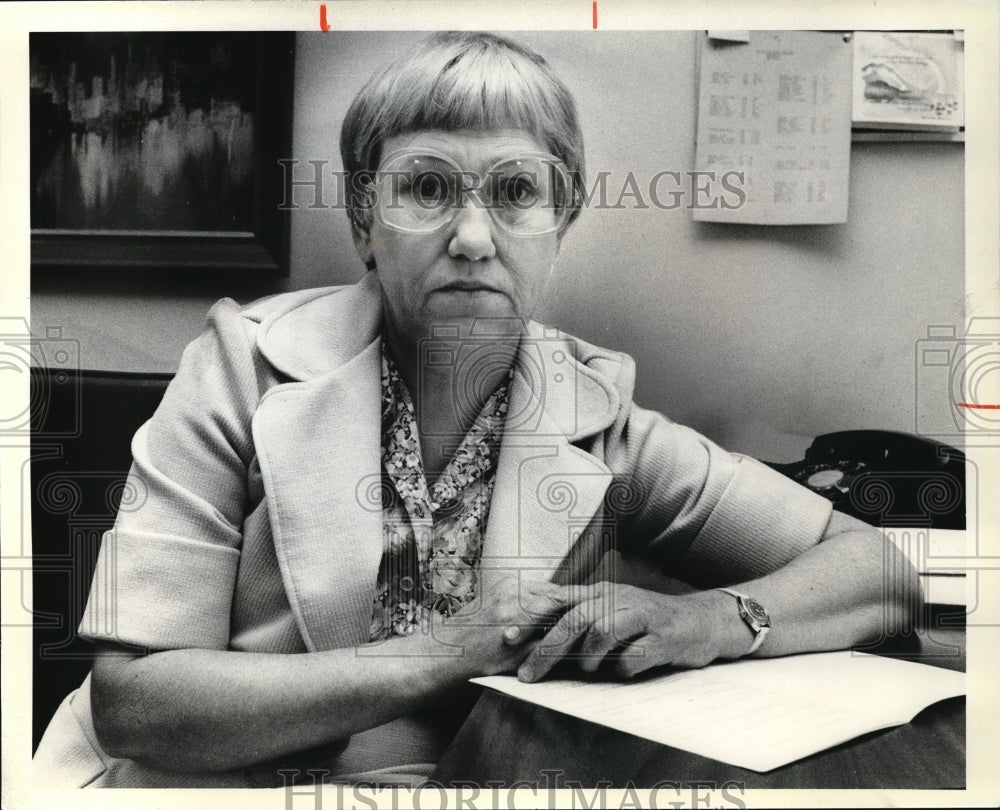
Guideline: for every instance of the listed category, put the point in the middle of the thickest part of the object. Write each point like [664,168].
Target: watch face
[756,611]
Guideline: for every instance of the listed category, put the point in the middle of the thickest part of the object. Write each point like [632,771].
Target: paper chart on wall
[776,112]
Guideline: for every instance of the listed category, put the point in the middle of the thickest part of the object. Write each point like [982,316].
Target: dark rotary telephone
[885,478]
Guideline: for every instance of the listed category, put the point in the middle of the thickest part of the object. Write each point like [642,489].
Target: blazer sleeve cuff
[161,591]
[762,522]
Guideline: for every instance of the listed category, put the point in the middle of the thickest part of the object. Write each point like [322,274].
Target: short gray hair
[460,80]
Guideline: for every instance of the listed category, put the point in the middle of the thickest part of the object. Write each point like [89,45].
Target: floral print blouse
[432,537]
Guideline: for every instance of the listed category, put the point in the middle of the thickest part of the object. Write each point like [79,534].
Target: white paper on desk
[776,111]
[757,714]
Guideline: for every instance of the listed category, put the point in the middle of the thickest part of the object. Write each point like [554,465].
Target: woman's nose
[472,232]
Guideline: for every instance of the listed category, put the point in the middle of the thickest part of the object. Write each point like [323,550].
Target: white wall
[761,337]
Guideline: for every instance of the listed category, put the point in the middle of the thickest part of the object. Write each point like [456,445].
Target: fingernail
[524,675]
[511,633]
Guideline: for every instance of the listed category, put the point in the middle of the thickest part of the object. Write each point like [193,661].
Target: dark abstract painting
[143,132]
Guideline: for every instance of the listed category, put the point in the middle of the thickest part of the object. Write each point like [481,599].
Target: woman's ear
[362,242]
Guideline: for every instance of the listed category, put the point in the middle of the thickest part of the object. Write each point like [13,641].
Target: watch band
[758,626]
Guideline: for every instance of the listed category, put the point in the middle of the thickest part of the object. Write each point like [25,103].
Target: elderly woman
[354,499]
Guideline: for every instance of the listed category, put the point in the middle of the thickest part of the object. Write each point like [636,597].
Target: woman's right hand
[497,630]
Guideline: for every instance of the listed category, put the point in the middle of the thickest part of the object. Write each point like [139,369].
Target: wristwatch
[754,616]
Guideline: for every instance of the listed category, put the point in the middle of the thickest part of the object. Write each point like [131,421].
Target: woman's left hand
[638,629]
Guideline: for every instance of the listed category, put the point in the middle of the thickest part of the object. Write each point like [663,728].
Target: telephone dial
[885,478]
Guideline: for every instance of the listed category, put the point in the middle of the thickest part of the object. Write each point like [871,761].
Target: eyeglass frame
[370,182]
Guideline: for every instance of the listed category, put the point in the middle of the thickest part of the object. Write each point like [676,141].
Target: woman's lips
[467,287]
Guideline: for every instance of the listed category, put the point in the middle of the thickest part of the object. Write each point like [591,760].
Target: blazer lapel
[318,445]
[547,491]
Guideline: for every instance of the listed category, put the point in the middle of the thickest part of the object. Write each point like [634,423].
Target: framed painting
[160,150]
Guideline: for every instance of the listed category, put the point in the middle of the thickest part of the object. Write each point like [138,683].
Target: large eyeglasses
[527,194]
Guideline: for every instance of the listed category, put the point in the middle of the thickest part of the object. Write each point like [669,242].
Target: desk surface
[507,740]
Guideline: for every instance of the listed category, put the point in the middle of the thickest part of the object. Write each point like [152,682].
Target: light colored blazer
[252,517]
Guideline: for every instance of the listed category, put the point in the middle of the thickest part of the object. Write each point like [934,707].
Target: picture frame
[908,86]
[159,151]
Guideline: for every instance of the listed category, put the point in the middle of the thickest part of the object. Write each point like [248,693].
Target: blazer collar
[308,334]
[313,333]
